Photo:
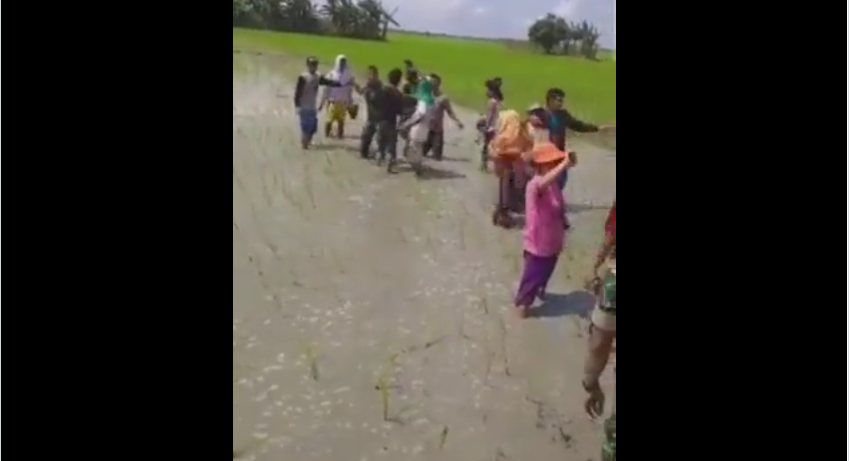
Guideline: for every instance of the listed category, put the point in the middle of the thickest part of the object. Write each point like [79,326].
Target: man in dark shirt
[374,95]
[393,106]
[558,120]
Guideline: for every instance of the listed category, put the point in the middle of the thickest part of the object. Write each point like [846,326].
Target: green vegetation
[366,19]
[464,65]
[553,34]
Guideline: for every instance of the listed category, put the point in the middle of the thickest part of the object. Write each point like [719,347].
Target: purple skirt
[538,271]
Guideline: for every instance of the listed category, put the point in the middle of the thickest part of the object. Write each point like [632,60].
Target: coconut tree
[298,16]
[378,17]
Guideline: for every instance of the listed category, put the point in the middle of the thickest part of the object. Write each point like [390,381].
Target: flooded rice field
[371,312]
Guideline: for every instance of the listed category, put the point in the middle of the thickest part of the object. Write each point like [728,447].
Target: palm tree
[377,15]
[298,16]
[589,36]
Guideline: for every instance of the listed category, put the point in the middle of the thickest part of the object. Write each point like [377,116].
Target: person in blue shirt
[559,120]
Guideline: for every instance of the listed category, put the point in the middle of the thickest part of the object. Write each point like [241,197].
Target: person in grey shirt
[306,100]
[435,138]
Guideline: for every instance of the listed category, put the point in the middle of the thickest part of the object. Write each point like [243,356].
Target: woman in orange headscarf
[512,140]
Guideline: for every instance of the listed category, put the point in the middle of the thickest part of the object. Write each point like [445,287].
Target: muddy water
[371,311]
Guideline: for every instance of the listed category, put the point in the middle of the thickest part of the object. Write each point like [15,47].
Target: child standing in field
[544,236]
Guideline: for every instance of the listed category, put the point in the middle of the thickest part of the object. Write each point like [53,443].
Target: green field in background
[464,65]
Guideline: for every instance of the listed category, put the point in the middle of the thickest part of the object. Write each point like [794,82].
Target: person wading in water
[306,97]
[544,235]
[338,99]
[495,101]
[419,126]
[373,94]
[512,141]
[436,135]
[387,134]
[602,333]
[410,90]
[558,120]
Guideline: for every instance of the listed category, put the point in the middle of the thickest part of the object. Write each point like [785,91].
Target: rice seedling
[384,385]
[503,330]
[311,355]
[443,437]
[484,304]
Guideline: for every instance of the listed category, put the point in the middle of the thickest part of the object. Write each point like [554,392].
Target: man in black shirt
[373,93]
[558,120]
[393,107]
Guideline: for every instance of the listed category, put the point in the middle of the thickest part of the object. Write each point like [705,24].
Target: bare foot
[523,311]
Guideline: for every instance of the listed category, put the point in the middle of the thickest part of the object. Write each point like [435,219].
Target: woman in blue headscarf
[419,125]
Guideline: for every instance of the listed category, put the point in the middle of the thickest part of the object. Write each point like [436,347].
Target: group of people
[530,158]
[413,112]
[532,163]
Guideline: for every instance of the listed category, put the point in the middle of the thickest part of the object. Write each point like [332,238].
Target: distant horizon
[470,37]
[500,19]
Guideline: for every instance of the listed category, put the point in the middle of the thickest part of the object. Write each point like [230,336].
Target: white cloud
[567,8]
[480,10]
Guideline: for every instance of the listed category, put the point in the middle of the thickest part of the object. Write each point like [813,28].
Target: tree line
[554,35]
[368,19]
[365,19]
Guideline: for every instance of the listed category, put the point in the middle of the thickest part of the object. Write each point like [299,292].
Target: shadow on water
[446,158]
[430,172]
[579,303]
[575,208]
[323,147]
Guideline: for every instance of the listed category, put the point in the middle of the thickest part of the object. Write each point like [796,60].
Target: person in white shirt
[339,98]
[419,126]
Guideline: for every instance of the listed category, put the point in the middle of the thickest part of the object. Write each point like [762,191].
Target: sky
[501,18]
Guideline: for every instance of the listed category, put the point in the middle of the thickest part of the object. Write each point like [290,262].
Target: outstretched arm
[325,95]
[450,111]
[327,82]
[574,124]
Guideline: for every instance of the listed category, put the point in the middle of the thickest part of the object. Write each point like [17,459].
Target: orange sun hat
[547,152]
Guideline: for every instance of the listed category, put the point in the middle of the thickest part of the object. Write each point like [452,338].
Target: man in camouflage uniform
[602,334]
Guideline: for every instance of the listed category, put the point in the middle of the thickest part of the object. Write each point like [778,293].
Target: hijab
[425,93]
[339,74]
[512,137]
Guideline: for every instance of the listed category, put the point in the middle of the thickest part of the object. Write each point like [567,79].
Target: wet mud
[372,312]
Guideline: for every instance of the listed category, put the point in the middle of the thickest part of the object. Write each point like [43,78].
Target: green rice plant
[464,65]
[443,437]
[503,343]
[311,355]
[384,386]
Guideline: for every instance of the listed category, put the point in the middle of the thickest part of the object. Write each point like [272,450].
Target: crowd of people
[528,152]
[412,111]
